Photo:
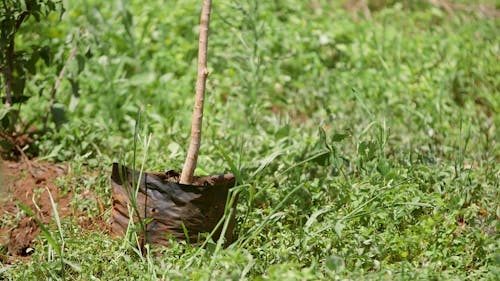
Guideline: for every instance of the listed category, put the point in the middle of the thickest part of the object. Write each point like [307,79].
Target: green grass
[400,183]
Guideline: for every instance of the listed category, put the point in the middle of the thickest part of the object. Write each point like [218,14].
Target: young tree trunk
[10,57]
[194,146]
[9,68]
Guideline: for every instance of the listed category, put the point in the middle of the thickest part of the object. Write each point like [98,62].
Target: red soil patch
[29,183]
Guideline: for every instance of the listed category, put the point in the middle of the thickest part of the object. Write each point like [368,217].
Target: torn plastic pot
[167,208]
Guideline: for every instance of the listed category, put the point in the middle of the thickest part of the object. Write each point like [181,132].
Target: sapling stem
[194,145]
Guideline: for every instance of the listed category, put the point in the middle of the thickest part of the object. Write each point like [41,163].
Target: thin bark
[194,146]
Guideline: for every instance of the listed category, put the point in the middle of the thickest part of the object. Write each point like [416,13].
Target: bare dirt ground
[29,182]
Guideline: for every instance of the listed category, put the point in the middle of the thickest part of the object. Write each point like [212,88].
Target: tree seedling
[172,205]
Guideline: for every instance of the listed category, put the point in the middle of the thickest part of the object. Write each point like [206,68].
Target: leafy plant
[18,65]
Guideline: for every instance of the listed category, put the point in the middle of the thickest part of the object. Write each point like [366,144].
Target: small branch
[57,84]
[442,4]
[12,140]
[194,146]
[366,10]
[356,6]
[26,160]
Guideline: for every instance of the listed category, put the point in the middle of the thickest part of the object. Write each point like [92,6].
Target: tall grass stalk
[132,232]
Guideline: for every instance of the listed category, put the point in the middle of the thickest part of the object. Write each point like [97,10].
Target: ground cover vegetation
[363,135]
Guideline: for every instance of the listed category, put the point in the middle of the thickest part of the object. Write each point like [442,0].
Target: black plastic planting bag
[167,208]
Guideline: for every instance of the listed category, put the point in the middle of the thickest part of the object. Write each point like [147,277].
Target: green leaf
[323,159]
[81,62]
[367,149]
[321,149]
[20,99]
[46,55]
[322,136]
[314,217]
[75,87]
[335,263]
[282,132]
[339,226]
[383,167]
[58,112]
[31,62]
[4,111]
[339,137]
[230,162]
[8,117]
[18,88]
